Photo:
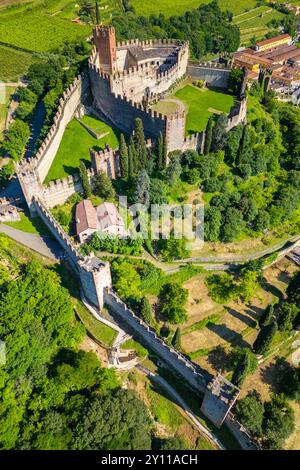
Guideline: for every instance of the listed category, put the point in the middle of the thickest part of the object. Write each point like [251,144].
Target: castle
[124,79]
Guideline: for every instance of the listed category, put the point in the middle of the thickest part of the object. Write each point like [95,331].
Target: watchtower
[105,42]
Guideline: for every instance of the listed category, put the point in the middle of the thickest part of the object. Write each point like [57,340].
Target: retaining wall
[214,74]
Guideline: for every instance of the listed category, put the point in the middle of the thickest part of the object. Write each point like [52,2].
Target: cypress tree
[266,317]
[140,144]
[123,156]
[84,181]
[145,310]
[176,341]
[131,162]
[165,153]
[264,338]
[97,12]
[133,155]
[160,152]
[208,135]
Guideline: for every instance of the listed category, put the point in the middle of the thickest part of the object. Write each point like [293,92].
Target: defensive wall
[213,73]
[67,107]
[93,273]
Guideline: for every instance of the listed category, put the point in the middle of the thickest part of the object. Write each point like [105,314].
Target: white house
[104,218]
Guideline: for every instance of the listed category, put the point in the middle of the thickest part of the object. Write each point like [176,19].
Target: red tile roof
[271,40]
[86,217]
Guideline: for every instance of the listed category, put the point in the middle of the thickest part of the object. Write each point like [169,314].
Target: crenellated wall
[214,74]
[68,104]
[238,113]
[94,274]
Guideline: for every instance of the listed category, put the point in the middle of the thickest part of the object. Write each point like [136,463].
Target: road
[45,246]
[179,400]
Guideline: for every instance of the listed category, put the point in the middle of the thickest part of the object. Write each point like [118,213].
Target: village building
[103,219]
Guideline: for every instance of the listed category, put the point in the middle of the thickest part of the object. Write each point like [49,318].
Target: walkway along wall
[93,273]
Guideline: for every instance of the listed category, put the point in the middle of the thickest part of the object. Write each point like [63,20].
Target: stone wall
[68,104]
[93,273]
[215,75]
[238,114]
[196,377]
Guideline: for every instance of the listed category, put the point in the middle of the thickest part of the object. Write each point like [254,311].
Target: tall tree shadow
[240,316]
[227,334]
[277,375]
[219,359]
[272,289]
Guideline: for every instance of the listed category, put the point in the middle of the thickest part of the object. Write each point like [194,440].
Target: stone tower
[105,42]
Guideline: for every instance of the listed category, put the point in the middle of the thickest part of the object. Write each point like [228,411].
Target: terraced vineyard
[254,23]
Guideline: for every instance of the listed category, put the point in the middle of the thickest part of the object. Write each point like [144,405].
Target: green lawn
[101,332]
[75,146]
[132,344]
[178,7]
[30,225]
[198,103]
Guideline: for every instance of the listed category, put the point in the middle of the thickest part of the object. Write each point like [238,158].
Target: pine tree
[176,341]
[145,310]
[208,135]
[160,152]
[123,157]
[140,144]
[84,181]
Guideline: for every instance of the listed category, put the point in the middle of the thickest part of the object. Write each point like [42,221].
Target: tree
[174,300]
[123,157]
[174,168]
[208,135]
[244,363]
[131,159]
[286,315]
[233,224]
[160,152]
[250,411]
[146,310]
[158,191]
[267,316]
[235,81]
[172,248]
[172,443]
[264,338]
[103,186]
[114,421]
[84,180]
[126,280]
[140,144]
[213,222]
[176,341]
[219,132]
[142,189]
[278,423]
[16,139]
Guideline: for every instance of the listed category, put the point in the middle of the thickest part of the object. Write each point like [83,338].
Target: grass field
[75,146]
[198,102]
[30,225]
[101,332]
[178,7]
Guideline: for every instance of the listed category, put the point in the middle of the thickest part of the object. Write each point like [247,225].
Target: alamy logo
[164,221]
[2,353]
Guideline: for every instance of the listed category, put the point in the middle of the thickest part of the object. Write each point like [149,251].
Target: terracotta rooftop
[85,215]
[271,40]
[108,215]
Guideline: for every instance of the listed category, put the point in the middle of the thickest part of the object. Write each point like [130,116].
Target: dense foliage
[53,395]
[207,28]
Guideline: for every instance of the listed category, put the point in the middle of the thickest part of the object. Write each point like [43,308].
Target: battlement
[150,43]
[57,228]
